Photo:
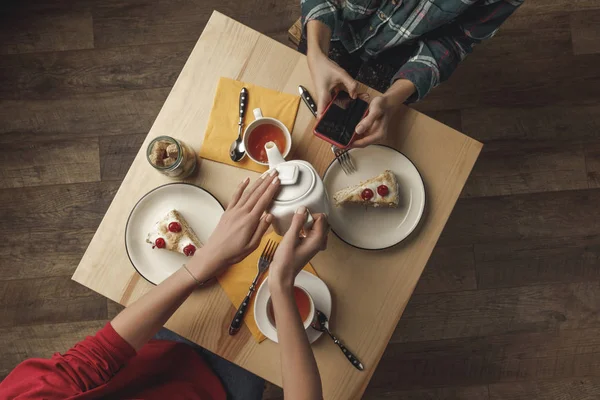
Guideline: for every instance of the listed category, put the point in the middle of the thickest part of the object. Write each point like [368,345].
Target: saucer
[376,228]
[199,207]
[318,291]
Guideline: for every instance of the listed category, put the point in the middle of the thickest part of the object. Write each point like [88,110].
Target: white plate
[317,289]
[201,210]
[376,228]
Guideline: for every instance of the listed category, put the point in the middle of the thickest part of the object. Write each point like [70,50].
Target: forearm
[399,91]
[318,36]
[301,378]
[141,320]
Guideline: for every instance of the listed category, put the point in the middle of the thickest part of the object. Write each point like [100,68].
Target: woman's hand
[327,76]
[294,252]
[374,128]
[239,230]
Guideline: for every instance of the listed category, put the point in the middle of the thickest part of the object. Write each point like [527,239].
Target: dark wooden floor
[508,306]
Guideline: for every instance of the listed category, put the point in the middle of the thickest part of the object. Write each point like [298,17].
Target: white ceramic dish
[312,284]
[201,210]
[376,228]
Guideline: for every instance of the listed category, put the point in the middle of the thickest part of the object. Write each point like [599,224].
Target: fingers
[375,113]
[246,195]
[238,193]
[262,227]
[267,183]
[317,237]
[298,221]
[372,138]
[323,99]
[350,84]
[265,199]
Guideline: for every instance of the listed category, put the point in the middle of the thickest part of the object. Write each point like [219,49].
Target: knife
[308,100]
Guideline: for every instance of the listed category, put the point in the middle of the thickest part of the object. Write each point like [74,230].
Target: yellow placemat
[237,279]
[223,121]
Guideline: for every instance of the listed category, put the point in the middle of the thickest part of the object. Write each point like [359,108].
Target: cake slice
[380,191]
[173,233]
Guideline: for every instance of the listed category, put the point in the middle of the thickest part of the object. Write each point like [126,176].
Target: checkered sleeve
[325,11]
[439,53]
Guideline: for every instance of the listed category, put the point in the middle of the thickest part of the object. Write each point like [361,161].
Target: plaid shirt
[442,32]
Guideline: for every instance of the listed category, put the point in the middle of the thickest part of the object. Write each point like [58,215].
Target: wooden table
[370,289]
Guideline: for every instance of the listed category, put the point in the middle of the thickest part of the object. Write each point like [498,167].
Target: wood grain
[585,31]
[541,308]
[221,52]
[592,163]
[94,114]
[519,217]
[59,74]
[449,269]
[531,262]
[582,388]
[508,358]
[142,22]
[117,154]
[63,247]
[507,167]
[566,124]
[542,81]
[448,393]
[23,342]
[66,208]
[25,32]
[48,300]
[49,162]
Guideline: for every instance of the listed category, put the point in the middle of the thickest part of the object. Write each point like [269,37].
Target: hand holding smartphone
[338,123]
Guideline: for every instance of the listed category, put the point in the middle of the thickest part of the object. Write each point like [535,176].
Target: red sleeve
[89,364]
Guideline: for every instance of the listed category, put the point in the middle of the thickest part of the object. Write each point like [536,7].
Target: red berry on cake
[383,190]
[160,243]
[367,194]
[189,250]
[175,227]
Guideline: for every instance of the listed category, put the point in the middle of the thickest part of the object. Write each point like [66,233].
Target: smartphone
[338,123]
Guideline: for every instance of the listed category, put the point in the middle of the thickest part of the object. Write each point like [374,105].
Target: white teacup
[255,146]
[308,320]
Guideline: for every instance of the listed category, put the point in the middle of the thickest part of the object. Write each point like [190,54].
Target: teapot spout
[273,154]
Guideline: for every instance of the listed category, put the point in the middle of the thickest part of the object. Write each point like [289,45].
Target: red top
[106,366]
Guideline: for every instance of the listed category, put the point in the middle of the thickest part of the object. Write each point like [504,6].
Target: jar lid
[296,180]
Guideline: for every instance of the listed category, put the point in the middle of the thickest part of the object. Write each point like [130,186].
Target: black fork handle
[236,322]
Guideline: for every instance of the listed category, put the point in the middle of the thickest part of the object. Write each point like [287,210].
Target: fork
[344,159]
[263,263]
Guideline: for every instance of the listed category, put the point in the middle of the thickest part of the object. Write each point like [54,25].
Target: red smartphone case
[328,139]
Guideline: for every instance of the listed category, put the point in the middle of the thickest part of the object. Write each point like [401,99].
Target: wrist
[202,267]
[280,288]
[400,90]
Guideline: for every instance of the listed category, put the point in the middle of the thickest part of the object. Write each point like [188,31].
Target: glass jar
[171,157]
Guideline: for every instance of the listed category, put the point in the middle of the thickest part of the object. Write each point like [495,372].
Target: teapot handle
[309,222]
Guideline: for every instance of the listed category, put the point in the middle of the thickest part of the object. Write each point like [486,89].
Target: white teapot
[300,186]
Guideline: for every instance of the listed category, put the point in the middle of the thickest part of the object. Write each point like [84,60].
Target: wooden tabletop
[370,289]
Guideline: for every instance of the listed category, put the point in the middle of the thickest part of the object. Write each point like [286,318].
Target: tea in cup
[262,131]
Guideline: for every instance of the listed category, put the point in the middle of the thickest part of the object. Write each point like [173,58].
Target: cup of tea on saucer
[304,303]
[262,131]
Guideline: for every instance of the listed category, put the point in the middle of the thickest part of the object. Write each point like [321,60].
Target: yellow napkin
[237,279]
[223,121]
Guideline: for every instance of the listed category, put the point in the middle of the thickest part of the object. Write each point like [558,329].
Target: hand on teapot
[294,251]
[240,229]
[300,186]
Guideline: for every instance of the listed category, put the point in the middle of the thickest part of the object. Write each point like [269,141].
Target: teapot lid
[296,180]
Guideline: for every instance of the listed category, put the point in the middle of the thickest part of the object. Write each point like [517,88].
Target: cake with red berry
[380,191]
[173,233]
